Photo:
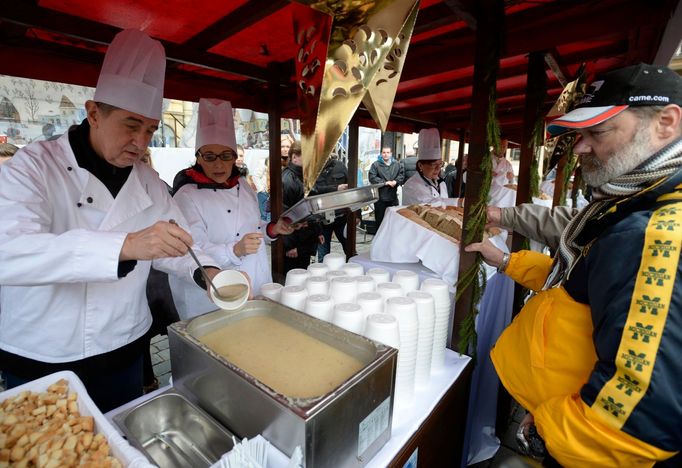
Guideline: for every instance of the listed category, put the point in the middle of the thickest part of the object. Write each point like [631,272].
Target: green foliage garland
[474,277]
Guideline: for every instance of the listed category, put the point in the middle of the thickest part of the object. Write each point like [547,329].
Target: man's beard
[597,172]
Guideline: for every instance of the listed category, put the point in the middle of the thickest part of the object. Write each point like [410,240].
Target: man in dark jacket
[299,246]
[334,176]
[389,172]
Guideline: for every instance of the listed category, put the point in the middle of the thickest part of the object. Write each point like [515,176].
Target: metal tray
[172,432]
[328,203]
[343,428]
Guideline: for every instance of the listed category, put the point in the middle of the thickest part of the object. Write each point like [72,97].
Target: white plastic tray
[120,448]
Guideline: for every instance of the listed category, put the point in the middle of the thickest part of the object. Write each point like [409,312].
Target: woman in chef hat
[221,209]
[426,186]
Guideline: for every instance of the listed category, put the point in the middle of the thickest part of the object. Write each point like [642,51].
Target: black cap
[615,91]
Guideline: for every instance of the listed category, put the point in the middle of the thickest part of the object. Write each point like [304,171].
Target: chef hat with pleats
[429,144]
[132,74]
[215,125]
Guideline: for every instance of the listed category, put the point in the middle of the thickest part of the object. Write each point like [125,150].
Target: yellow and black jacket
[598,361]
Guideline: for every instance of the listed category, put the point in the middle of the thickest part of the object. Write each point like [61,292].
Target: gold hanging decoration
[350,51]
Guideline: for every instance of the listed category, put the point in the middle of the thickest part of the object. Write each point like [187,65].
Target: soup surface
[283,358]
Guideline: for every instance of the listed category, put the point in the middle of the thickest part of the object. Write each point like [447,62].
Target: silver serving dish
[327,203]
[341,429]
[172,432]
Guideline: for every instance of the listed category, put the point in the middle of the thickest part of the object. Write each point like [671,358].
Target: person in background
[391,174]
[299,246]
[503,172]
[426,186]
[242,168]
[600,377]
[409,164]
[83,221]
[7,150]
[286,142]
[334,177]
[222,210]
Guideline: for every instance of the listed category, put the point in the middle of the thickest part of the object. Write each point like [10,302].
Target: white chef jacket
[417,190]
[60,239]
[218,219]
[501,166]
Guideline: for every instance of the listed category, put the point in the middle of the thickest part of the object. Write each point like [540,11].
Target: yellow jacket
[544,358]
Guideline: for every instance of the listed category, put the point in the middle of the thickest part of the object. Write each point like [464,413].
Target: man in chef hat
[83,221]
[426,186]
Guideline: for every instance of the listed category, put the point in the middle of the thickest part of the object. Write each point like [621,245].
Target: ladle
[227,293]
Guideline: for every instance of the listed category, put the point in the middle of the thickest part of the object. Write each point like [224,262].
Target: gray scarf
[661,165]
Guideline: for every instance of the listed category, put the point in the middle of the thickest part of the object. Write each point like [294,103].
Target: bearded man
[594,355]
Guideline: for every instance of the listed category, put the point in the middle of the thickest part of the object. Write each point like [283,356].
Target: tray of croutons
[52,422]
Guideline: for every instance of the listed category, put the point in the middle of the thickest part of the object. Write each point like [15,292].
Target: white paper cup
[439,290]
[365,284]
[318,269]
[226,278]
[353,269]
[272,291]
[427,317]
[317,285]
[404,310]
[294,297]
[371,303]
[349,316]
[409,280]
[296,277]
[382,328]
[320,306]
[343,289]
[334,260]
[379,274]
[335,274]
[388,290]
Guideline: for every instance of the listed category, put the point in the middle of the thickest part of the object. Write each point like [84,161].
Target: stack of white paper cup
[349,316]
[296,277]
[294,297]
[371,303]
[441,299]
[320,306]
[318,269]
[272,291]
[343,289]
[353,269]
[409,280]
[427,315]
[404,310]
[379,274]
[383,328]
[365,283]
[388,290]
[317,285]
[334,260]
[335,274]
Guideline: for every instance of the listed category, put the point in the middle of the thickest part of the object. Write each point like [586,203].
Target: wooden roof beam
[239,19]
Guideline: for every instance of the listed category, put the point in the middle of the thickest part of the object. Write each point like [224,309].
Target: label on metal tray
[373,425]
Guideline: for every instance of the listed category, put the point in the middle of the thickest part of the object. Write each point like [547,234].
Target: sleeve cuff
[199,278]
[125,267]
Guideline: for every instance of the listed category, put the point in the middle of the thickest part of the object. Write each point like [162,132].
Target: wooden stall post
[353,145]
[274,130]
[490,21]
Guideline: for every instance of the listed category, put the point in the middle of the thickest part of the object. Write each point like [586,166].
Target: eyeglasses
[224,156]
[435,164]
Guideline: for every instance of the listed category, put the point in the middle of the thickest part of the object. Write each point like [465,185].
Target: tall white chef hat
[429,144]
[215,125]
[132,74]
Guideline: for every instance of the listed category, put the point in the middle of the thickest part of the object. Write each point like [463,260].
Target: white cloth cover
[132,74]
[429,144]
[215,125]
